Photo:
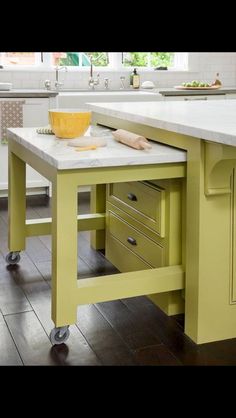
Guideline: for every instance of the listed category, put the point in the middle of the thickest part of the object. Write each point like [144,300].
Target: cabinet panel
[35,113]
[197,97]
[123,258]
[141,200]
[140,244]
[149,250]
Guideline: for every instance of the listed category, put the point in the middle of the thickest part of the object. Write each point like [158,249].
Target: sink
[5,86]
[97,90]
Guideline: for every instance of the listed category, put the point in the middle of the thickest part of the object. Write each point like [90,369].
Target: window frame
[115,64]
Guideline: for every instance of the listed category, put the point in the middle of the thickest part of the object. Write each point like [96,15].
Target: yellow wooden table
[67,170]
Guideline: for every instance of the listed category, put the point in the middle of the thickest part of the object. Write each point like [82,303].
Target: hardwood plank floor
[126,332]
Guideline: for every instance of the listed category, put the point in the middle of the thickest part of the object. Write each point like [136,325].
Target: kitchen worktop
[129,92]
[106,92]
[27,93]
[185,92]
[214,121]
[57,153]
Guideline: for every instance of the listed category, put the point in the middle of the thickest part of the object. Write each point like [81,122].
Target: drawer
[144,202]
[121,257]
[138,243]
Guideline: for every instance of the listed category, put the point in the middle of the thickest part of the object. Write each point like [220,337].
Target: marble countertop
[58,154]
[213,120]
[28,93]
[176,92]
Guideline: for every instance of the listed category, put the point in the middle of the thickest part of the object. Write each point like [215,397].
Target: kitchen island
[207,132]
[67,169]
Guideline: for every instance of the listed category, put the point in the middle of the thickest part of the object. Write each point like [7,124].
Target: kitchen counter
[214,121]
[207,131]
[27,93]
[184,92]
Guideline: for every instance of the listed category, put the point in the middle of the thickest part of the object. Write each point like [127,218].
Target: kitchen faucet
[93,81]
[57,82]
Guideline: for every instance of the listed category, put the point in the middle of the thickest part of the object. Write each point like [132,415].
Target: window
[20,58]
[111,60]
[153,60]
[80,59]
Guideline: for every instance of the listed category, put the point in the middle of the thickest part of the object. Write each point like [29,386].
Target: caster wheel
[59,335]
[13,257]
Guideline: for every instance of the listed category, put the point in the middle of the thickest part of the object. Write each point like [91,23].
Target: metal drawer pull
[132,197]
[132,241]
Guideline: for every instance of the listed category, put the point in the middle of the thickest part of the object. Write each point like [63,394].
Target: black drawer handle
[132,241]
[132,197]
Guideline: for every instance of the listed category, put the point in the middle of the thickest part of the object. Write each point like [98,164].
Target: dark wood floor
[124,332]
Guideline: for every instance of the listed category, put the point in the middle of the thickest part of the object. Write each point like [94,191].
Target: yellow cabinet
[144,230]
[142,201]
[135,241]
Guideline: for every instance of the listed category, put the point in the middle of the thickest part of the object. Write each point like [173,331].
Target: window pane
[162,59]
[80,59]
[135,59]
[148,59]
[65,58]
[18,58]
[100,59]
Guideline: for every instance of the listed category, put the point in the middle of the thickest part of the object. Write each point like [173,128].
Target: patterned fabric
[11,116]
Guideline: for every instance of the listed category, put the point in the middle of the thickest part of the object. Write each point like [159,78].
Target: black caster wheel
[59,335]
[13,257]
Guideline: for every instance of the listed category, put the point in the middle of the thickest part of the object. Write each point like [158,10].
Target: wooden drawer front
[121,257]
[141,245]
[144,202]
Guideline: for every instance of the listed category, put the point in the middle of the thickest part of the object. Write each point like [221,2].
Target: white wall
[201,66]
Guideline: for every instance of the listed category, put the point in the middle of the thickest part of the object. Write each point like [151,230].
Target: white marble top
[58,154]
[213,120]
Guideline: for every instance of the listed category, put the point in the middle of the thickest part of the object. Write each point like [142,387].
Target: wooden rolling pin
[131,139]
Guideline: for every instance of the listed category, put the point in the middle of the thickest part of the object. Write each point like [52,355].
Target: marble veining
[213,120]
[58,154]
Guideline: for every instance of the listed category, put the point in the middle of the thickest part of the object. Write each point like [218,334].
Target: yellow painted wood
[171,302]
[16,202]
[102,175]
[97,204]
[209,313]
[176,140]
[124,285]
[87,222]
[123,258]
[233,239]
[131,220]
[151,214]
[64,251]
[219,163]
[145,248]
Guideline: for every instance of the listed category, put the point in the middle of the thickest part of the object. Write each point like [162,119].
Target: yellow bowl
[69,123]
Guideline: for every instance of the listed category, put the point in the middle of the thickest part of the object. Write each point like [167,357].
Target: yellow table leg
[64,250]
[98,205]
[16,203]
